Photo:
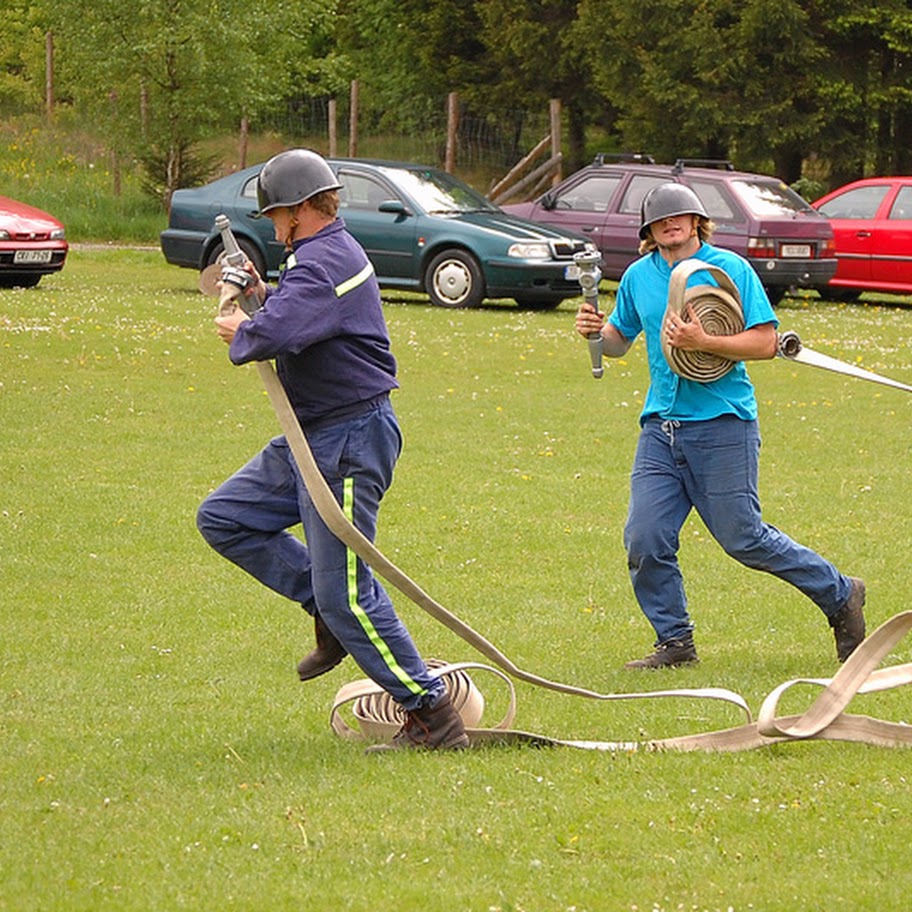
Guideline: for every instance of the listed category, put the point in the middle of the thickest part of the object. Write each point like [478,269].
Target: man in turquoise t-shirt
[700,441]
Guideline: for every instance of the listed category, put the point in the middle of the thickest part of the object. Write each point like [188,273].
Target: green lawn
[160,754]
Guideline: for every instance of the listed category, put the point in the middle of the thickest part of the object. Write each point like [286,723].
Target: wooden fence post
[242,143]
[555,113]
[452,127]
[115,154]
[331,126]
[49,73]
[353,122]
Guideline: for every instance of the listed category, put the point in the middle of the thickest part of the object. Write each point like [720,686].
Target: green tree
[164,74]
[22,44]
[715,80]
[868,92]
[540,53]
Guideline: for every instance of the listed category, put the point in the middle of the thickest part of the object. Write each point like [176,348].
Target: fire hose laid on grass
[377,716]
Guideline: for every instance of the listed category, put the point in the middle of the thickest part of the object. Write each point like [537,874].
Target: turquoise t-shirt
[642,299]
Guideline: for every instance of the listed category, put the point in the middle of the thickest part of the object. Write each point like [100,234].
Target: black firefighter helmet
[291,177]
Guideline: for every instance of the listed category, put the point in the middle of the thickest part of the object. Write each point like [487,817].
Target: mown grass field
[159,753]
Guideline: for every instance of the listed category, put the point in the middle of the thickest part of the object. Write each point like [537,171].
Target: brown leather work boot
[849,622]
[325,657]
[668,655]
[429,728]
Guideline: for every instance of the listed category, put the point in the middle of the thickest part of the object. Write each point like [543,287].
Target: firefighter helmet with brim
[293,176]
[668,200]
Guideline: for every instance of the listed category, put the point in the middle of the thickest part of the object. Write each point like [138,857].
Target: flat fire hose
[824,719]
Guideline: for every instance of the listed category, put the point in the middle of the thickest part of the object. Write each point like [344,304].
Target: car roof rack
[719,163]
[641,158]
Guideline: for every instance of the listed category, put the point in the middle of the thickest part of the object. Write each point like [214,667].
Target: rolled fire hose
[825,718]
[717,307]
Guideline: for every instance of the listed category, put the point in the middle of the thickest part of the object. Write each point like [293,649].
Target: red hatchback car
[872,225]
[32,244]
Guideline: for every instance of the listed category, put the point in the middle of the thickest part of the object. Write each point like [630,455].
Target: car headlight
[530,250]
[4,235]
[58,234]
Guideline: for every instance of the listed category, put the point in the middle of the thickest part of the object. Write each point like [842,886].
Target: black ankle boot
[429,728]
[325,657]
[669,654]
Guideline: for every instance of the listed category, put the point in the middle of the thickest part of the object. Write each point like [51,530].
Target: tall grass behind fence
[68,166]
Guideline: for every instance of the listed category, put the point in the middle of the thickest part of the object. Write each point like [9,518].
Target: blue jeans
[248,518]
[712,467]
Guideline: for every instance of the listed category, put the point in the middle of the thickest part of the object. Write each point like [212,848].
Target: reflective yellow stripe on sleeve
[356,280]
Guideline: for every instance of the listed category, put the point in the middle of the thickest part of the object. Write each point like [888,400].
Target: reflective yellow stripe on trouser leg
[348,499]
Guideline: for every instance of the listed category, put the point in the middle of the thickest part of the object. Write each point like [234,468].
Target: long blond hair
[703,227]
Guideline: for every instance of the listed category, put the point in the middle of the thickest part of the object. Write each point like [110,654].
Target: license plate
[796,250]
[21,257]
[572,273]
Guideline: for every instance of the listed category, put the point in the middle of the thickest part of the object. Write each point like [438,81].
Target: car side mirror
[397,207]
[548,201]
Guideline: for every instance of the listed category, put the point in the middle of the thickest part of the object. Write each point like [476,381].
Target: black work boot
[437,727]
[325,657]
[849,622]
[680,651]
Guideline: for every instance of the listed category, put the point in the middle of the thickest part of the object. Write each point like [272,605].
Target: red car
[872,224]
[32,244]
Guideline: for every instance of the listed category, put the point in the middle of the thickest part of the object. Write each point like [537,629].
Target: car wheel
[775,294]
[840,295]
[453,279]
[250,251]
[20,280]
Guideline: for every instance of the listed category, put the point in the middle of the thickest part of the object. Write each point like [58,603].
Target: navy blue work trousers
[249,518]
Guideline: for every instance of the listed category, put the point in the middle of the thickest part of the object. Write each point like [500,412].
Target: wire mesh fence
[482,144]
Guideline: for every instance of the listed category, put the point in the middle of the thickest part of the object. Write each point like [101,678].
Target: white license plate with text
[796,250]
[23,257]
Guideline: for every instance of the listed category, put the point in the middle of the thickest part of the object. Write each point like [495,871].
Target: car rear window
[902,205]
[770,198]
[250,188]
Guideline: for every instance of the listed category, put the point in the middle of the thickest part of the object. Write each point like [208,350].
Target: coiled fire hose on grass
[378,717]
[824,719]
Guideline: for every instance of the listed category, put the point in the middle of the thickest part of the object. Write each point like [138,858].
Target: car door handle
[589,228]
[862,234]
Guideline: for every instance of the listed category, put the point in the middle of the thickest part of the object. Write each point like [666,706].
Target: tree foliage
[798,84]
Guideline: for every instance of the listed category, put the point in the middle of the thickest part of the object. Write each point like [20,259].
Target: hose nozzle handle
[589,275]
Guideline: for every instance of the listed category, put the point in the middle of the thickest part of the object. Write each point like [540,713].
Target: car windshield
[437,191]
[770,198]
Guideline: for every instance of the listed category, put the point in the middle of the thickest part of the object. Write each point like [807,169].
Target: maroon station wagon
[785,239]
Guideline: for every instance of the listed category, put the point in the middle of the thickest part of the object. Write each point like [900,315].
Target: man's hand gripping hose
[823,720]
[235,279]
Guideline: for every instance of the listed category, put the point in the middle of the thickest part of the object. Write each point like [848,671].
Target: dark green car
[423,229]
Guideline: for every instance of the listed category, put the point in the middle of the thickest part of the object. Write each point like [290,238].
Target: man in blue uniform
[699,441]
[324,327]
